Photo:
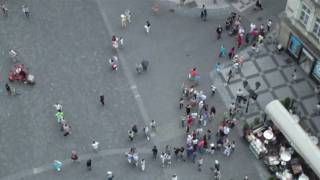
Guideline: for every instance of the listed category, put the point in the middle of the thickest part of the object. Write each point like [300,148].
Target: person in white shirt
[269,25]
[146,132]
[226,130]
[147,27]
[95,145]
[25,10]
[174,177]
[143,164]
[123,20]
[58,107]
[121,42]
[239,95]
[252,27]
[163,159]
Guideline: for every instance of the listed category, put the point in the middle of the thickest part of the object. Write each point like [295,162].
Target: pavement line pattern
[142,109]
[82,157]
[145,117]
[226,100]
[126,71]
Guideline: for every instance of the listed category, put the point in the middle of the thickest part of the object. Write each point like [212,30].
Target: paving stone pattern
[274,72]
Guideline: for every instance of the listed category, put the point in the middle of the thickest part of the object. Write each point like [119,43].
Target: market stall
[301,142]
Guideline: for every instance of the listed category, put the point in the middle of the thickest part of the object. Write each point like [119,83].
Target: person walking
[188,109]
[216,175]
[154,152]
[219,31]
[95,145]
[153,125]
[143,165]
[121,42]
[200,163]
[127,13]
[146,132]
[233,146]
[102,100]
[230,75]
[294,75]
[239,41]
[134,129]
[58,107]
[8,89]
[110,175]
[4,10]
[218,67]
[269,24]
[123,20]
[204,10]
[57,165]
[88,164]
[168,159]
[174,177]
[130,135]
[204,13]
[227,150]
[176,153]
[74,155]
[222,51]
[217,165]
[163,159]
[181,102]
[25,10]
[239,95]
[232,52]
[259,5]
[147,27]
[66,128]
[213,89]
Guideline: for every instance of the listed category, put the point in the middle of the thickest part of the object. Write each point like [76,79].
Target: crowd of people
[197,116]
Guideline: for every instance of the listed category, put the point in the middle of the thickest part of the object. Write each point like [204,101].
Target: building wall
[293,12]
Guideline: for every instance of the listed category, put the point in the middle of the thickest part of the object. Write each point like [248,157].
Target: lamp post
[252,94]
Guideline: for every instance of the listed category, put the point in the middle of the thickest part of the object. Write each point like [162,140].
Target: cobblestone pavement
[65,44]
[274,72]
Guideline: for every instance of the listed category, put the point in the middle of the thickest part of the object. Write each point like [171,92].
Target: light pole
[252,94]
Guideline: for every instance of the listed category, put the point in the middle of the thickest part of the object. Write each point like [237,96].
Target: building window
[305,14]
[316,28]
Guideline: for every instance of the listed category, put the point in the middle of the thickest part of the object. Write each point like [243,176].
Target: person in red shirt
[189,121]
[194,73]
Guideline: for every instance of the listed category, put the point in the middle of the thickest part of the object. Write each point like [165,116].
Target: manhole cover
[260,18]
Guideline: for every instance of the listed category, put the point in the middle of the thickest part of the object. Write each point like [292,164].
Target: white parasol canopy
[296,136]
